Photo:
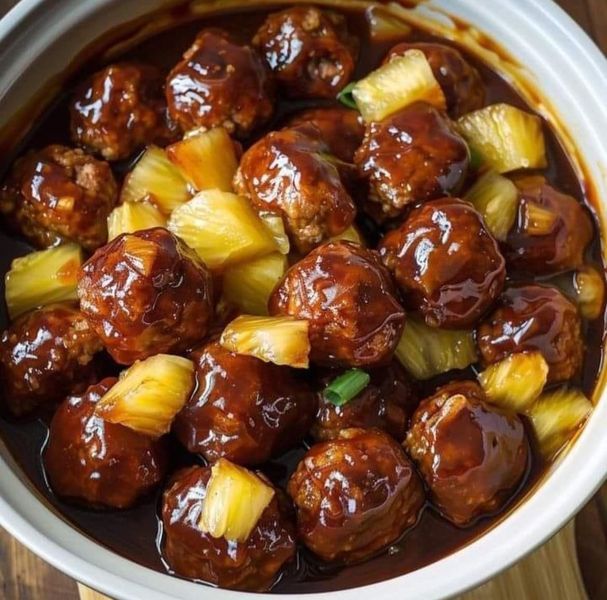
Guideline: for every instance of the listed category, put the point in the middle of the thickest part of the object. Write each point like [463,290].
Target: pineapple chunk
[156,179]
[149,394]
[248,286]
[42,278]
[589,287]
[538,220]
[556,416]
[222,228]
[352,234]
[276,226]
[207,160]
[279,340]
[402,81]
[496,199]
[426,351]
[516,381]
[384,27]
[234,502]
[133,216]
[506,137]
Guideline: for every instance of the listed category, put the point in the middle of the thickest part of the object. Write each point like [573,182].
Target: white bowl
[39,38]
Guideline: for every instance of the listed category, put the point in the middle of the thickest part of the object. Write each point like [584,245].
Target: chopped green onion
[347,386]
[346,98]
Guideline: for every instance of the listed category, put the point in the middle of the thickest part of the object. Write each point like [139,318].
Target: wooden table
[551,572]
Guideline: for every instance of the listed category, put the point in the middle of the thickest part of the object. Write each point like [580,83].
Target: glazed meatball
[459,80]
[219,83]
[119,110]
[59,194]
[45,355]
[446,263]
[289,173]
[146,293]
[90,461]
[355,495]
[251,565]
[559,241]
[412,156]
[349,300]
[386,403]
[243,409]
[471,455]
[341,129]
[310,51]
[534,317]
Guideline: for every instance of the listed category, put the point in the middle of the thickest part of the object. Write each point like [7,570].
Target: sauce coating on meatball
[534,317]
[91,461]
[243,409]
[310,51]
[348,298]
[412,156]
[219,83]
[446,263]
[471,455]
[251,565]
[146,293]
[355,495]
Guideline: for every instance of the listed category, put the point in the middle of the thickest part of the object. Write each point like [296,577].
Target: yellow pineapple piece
[276,226]
[352,234]
[385,27]
[134,216]
[589,286]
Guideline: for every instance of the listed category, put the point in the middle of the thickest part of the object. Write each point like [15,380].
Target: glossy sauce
[133,533]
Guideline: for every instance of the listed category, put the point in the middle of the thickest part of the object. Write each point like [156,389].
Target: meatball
[460,81]
[412,156]
[349,300]
[146,293]
[219,83]
[91,461]
[386,403]
[534,317]
[120,109]
[243,409]
[446,263]
[341,129]
[60,194]
[310,51]
[289,173]
[45,355]
[471,455]
[568,230]
[355,495]
[251,565]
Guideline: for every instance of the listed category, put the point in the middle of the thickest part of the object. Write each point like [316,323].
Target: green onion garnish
[346,97]
[347,386]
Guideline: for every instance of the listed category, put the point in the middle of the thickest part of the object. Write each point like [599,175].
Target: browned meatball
[289,173]
[91,461]
[446,263]
[60,194]
[386,404]
[45,355]
[120,109]
[555,243]
[460,81]
[146,293]
[251,565]
[341,129]
[471,455]
[310,51]
[243,409]
[355,495]
[349,300]
[219,83]
[534,317]
[412,156]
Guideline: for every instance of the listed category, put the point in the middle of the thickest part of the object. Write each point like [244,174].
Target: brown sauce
[134,533]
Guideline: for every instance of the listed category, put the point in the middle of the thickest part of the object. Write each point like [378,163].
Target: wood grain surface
[550,572]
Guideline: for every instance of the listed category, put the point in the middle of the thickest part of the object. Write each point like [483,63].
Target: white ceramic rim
[573,480]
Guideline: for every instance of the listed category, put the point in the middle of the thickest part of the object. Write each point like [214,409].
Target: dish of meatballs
[297,298]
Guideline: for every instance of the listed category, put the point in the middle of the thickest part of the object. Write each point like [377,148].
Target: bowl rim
[575,479]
